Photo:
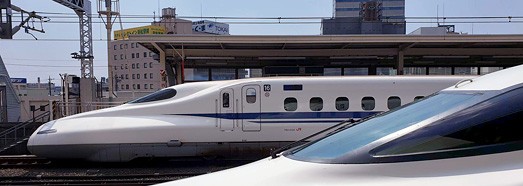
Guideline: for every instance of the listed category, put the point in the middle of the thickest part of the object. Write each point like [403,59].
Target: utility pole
[110,9]
[82,8]
[49,84]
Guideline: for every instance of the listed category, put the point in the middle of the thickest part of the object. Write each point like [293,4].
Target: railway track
[31,170]
[22,160]
[136,179]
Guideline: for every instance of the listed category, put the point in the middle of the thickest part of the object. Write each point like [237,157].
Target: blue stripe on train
[286,115]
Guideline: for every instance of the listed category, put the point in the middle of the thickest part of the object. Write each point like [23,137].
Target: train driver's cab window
[290,104]
[418,98]
[393,102]
[250,95]
[491,126]
[368,103]
[316,104]
[157,96]
[342,104]
[225,100]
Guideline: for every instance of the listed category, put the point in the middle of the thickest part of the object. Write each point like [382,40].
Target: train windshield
[156,96]
[346,141]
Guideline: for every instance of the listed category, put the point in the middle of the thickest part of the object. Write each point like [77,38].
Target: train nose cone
[36,138]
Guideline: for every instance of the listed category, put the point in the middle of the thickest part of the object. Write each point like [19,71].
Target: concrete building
[136,70]
[34,97]
[366,17]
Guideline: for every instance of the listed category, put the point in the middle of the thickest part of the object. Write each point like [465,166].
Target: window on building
[121,46]
[316,104]
[137,45]
[151,65]
[121,67]
[145,76]
[126,46]
[415,70]
[115,68]
[132,55]
[368,103]
[132,66]
[150,54]
[332,71]
[127,87]
[126,66]
[290,104]
[137,65]
[393,102]
[145,86]
[134,86]
[121,56]
[151,86]
[138,86]
[144,65]
[137,55]
[440,71]
[132,45]
[250,95]
[123,86]
[342,103]
[137,76]
[134,76]
[144,54]
[385,71]
[121,76]
[115,57]
[126,76]
[150,75]
[356,71]
[114,47]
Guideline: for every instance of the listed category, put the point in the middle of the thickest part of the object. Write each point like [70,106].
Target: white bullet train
[468,134]
[236,118]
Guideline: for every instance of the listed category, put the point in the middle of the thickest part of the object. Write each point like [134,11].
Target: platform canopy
[255,51]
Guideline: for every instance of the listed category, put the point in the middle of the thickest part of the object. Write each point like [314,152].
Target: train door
[251,108]
[227,110]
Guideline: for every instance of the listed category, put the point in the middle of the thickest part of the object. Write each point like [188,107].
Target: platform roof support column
[401,62]
[163,65]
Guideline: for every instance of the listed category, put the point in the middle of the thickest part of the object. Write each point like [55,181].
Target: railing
[20,132]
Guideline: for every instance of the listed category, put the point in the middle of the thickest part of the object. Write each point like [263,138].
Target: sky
[50,56]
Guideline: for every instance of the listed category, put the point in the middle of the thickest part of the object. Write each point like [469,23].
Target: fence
[63,109]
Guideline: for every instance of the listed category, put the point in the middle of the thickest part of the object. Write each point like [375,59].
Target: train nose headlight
[47,128]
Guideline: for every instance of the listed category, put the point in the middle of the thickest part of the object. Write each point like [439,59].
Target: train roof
[494,81]
[329,78]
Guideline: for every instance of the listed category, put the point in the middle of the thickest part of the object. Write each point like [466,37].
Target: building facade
[366,17]
[135,70]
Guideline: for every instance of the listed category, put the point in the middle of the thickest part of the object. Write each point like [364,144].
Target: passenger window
[290,104]
[393,102]
[316,104]
[250,95]
[368,103]
[418,98]
[342,103]
[225,100]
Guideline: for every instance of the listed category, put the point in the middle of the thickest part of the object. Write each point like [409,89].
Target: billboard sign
[18,80]
[124,34]
[210,27]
